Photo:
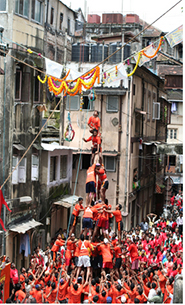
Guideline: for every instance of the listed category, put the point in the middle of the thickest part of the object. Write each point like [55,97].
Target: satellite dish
[124,214]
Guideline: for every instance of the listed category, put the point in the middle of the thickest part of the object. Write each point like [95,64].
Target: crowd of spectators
[138,267]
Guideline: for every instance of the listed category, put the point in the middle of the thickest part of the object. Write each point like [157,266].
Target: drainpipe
[127,143]
[4,130]
[119,146]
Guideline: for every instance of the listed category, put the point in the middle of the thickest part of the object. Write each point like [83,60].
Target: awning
[25,226]
[110,153]
[84,152]
[19,147]
[37,146]
[67,201]
[152,142]
[140,111]
[89,152]
[52,147]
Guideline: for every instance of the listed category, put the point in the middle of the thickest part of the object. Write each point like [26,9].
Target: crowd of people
[102,265]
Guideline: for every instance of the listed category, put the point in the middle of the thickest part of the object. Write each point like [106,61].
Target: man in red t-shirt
[96,144]
[94,121]
[58,243]
[102,177]
[74,217]
[84,259]
[14,277]
[118,217]
[133,254]
[91,183]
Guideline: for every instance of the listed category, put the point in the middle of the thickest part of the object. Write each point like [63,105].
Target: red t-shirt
[133,252]
[91,174]
[76,210]
[117,215]
[14,275]
[95,140]
[94,122]
[106,253]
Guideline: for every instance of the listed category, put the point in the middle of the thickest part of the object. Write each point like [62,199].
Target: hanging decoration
[81,101]
[92,96]
[135,66]
[42,81]
[69,133]
[73,87]
[152,56]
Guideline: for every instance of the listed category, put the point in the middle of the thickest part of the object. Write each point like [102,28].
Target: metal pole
[4,128]
[61,128]
[127,142]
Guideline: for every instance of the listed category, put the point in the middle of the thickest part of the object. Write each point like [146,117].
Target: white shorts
[84,261]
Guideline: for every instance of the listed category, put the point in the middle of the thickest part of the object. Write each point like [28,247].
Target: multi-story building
[131,128]
[174,148]
[32,29]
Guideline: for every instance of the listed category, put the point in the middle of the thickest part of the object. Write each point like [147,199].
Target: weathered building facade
[30,28]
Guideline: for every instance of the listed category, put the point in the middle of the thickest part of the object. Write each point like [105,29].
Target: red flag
[2,201]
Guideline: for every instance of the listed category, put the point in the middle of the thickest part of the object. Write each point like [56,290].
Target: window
[172,160]
[148,105]
[156,111]
[3,5]
[72,103]
[110,164]
[22,7]
[36,13]
[87,104]
[18,81]
[35,168]
[52,15]
[54,103]
[75,160]
[15,160]
[112,103]
[53,173]
[173,133]
[68,26]
[63,167]
[133,213]
[36,92]
[86,161]
[22,171]
[138,124]
[61,20]
[22,85]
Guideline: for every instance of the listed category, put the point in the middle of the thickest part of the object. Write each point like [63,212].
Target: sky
[148,10]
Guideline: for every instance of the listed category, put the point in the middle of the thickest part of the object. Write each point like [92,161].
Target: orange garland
[143,53]
[79,83]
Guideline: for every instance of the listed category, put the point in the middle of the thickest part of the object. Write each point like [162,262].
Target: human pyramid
[103,266]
